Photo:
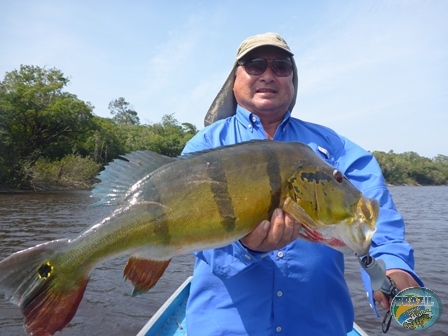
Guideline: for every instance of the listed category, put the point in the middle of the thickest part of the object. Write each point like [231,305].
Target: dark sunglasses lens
[282,68]
[256,66]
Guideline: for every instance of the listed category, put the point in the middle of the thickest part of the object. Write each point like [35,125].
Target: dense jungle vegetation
[50,139]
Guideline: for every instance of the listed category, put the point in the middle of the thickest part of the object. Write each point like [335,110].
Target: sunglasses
[282,67]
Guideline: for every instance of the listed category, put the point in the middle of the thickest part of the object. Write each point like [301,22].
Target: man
[269,282]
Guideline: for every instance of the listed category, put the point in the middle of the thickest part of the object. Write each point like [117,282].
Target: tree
[38,119]
[411,168]
[441,159]
[103,142]
[119,108]
[169,137]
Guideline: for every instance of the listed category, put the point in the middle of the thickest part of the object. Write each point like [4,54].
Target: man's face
[266,95]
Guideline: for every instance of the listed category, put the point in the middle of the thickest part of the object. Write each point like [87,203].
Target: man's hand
[402,280]
[273,235]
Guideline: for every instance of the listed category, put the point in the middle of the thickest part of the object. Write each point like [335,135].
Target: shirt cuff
[248,253]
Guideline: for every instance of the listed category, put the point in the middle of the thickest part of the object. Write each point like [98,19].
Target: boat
[169,320]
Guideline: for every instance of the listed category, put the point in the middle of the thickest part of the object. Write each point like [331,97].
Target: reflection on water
[27,219]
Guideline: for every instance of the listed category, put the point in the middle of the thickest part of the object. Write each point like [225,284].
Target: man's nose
[269,74]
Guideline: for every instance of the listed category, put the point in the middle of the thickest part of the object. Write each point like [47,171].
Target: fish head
[331,209]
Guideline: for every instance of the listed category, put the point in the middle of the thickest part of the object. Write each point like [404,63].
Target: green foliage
[167,137]
[49,138]
[37,118]
[71,171]
[119,108]
[410,168]
[103,143]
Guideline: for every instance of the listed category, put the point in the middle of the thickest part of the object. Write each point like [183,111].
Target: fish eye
[338,176]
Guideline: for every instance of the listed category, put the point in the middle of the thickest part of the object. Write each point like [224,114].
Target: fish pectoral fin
[144,273]
[308,231]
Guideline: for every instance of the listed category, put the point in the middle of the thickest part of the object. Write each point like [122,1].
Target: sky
[375,71]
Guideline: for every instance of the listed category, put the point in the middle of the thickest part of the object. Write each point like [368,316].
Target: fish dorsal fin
[121,174]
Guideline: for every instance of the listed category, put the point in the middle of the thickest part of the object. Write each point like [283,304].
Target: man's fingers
[254,239]
[277,228]
[295,227]
[269,236]
[402,280]
[382,299]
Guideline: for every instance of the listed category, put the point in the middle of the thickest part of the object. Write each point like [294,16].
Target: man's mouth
[264,90]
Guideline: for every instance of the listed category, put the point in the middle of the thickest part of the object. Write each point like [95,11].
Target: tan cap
[224,105]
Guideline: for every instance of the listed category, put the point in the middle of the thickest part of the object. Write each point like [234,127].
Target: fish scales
[177,206]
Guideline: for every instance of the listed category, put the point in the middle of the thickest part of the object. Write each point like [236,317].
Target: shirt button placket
[280,255]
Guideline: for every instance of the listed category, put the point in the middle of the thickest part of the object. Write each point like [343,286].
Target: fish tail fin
[30,279]
[144,273]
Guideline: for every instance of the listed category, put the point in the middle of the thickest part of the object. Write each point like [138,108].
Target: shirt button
[249,126]
[278,329]
[280,254]
[254,119]
[279,293]
[247,256]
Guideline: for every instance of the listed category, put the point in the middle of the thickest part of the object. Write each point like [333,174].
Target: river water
[27,219]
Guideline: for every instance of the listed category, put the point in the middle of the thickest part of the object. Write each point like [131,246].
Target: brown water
[27,219]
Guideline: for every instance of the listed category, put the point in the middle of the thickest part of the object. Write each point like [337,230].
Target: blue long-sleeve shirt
[299,289]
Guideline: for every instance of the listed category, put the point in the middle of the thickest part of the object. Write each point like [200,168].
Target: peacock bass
[172,206]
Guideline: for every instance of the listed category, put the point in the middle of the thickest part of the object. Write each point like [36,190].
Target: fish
[165,207]
[417,322]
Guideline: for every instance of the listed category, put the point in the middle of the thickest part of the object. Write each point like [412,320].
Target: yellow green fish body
[167,207]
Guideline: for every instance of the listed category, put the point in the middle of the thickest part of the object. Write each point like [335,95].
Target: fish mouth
[364,225]
[352,235]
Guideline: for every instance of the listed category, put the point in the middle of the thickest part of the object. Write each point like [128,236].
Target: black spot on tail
[45,270]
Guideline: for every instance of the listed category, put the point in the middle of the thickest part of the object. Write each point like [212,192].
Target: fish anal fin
[144,273]
[52,309]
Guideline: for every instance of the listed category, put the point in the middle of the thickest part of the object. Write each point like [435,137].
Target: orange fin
[144,273]
[51,310]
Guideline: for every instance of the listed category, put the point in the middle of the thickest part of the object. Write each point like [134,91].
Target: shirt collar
[249,120]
